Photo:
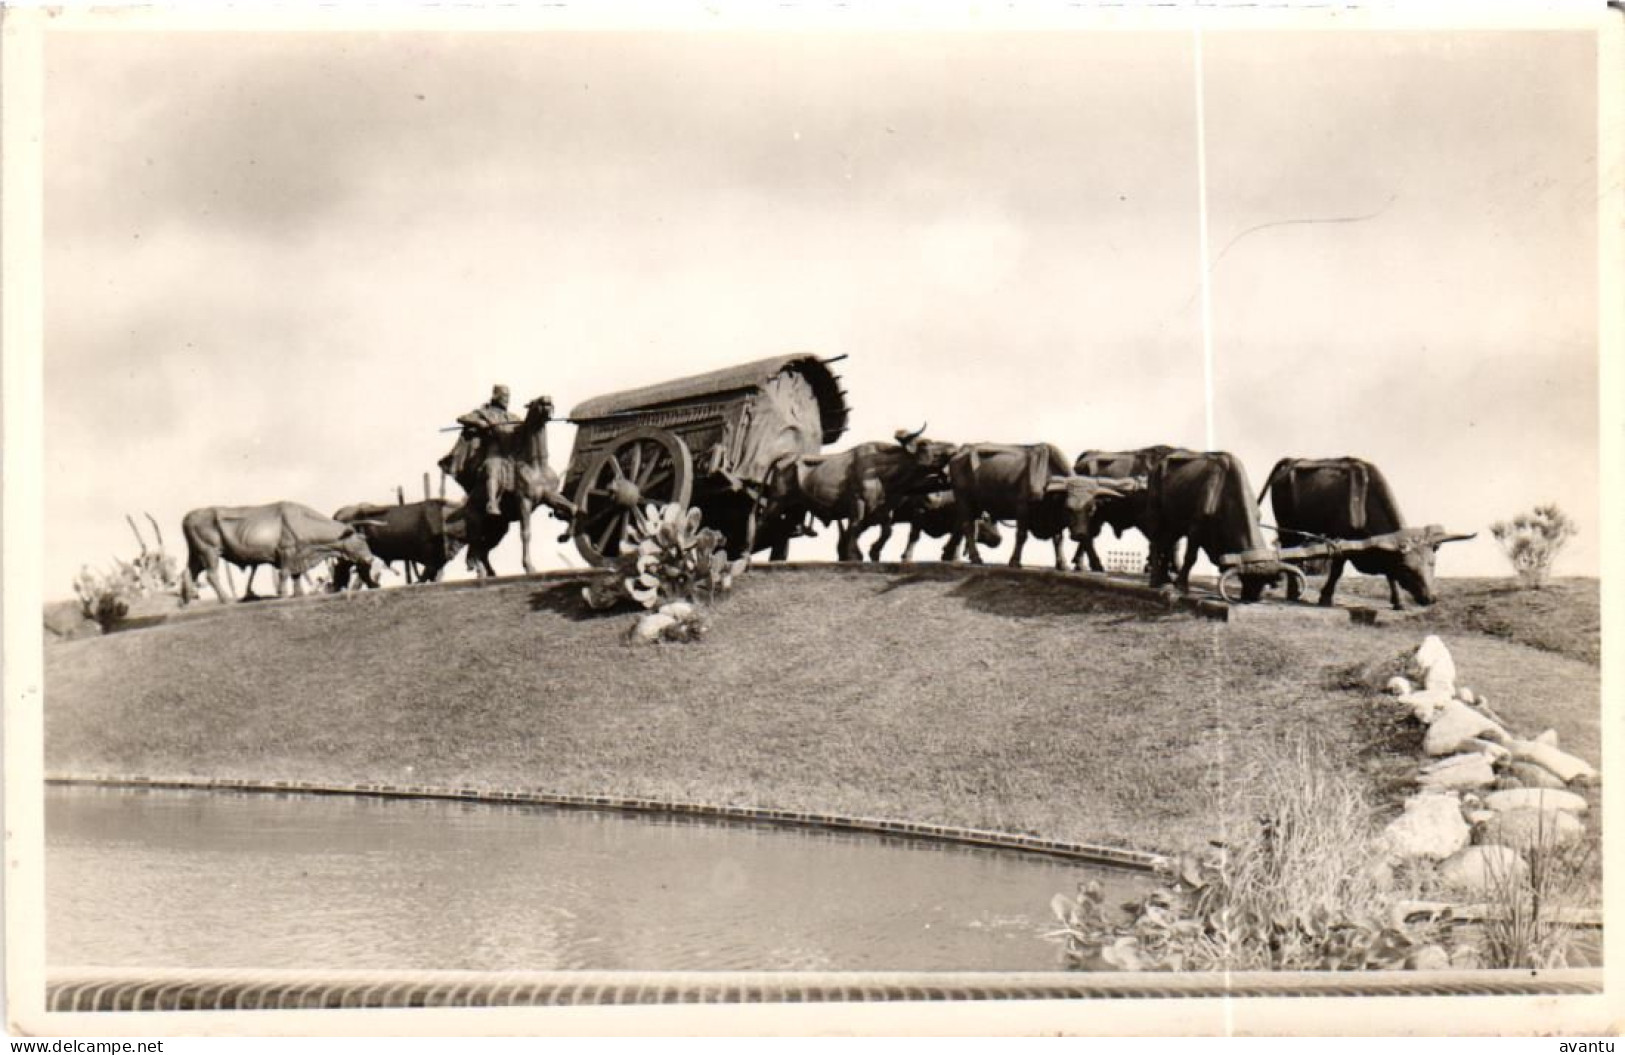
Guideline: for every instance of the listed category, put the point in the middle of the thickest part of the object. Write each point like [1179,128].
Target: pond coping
[1090,853]
[78,989]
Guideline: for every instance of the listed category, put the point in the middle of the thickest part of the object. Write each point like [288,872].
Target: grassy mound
[1564,616]
[990,699]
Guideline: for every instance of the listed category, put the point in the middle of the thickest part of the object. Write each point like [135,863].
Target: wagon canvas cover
[729,381]
[787,404]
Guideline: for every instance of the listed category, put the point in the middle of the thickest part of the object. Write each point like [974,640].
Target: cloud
[276,275]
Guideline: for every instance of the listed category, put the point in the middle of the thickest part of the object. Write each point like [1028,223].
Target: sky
[277,264]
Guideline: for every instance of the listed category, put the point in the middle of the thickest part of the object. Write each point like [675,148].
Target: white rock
[1429,652]
[1549,738]
[1477,817]
[1532,776]
[1430,827]
[1428,958]
[1483,870]
[1465,758]
[1426,704]
[1535,799]
[1438,669]
[1476,772]
[650,626]
[1454,723]
[677,609]
[1398,686]
[1490,748]
[1564,765]
[1523,829]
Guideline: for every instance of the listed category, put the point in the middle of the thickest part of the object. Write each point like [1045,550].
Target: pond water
[210,879]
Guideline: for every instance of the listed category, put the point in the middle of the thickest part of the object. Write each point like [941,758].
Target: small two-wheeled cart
[1232,565]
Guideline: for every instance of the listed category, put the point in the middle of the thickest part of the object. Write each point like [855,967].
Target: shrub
[1295,892]
[106,598]
[667,556]
[1533,540]
[103,598]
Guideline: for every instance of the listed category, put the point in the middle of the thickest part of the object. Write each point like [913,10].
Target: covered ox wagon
[706,441]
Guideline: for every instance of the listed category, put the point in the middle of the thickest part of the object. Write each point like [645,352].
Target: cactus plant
[667,556]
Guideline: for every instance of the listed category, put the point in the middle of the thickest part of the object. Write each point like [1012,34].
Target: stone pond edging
[1083,853]
[89,989]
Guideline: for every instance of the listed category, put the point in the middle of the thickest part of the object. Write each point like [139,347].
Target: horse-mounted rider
[481,437]
[503,457]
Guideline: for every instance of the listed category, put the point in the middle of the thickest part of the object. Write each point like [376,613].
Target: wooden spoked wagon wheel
[637,467]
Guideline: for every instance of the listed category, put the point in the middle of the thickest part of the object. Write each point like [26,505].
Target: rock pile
[1487,796]
[674,621]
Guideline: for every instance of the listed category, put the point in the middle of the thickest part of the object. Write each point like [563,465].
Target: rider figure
[481,437]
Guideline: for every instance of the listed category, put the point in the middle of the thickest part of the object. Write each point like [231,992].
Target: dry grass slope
[1564,616]
[983,699]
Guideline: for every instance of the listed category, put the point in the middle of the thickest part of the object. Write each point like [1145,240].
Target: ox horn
[1106,490]
[130,520]
[1439,536]
[906,438]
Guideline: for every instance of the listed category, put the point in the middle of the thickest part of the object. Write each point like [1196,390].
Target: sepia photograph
[811,522]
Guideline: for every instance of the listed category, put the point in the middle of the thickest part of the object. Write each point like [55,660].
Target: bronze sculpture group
[744,445]
[500,461]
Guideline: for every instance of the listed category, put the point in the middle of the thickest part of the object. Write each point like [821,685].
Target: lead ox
[1121,513]
[1205,499]
[858,488]
[1349,499]
[290,537]
[426,534]
[1031,485]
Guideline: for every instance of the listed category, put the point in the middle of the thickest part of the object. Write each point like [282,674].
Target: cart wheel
[639,466]
[1233,576]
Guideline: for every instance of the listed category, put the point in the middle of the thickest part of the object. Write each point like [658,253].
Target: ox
[1348,499]
[860,487]
[935,514]
[1205,499]
[1031,485]
[1121,513]
[426,534]
[290,537]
